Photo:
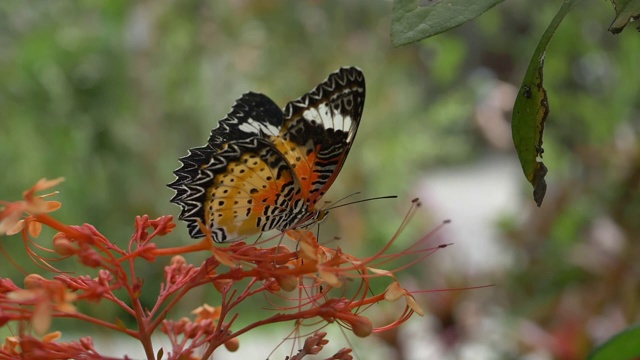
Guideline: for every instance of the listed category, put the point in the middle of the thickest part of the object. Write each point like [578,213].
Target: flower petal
[17,227]
[381,272]
[43,184]
[223,258]
[53,336]
[411,302]
[41,318]
[330,278]
[394,292]
[10,217]
[34,228]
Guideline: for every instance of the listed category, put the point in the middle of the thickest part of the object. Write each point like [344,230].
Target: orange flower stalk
[324,284]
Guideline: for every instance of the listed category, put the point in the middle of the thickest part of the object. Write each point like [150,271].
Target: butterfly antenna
[342,199]
[360,201]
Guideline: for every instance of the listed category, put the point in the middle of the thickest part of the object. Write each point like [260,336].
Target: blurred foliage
[414,21]
[624,345]
[110,93]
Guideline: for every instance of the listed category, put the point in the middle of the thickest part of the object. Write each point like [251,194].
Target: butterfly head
[311,218]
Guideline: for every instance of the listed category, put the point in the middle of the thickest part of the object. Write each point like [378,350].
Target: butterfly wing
[217,183]
[253,115]
[263,169]
[251,190]
[319,129]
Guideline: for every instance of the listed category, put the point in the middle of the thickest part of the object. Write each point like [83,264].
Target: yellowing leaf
[531,110]
[626,11]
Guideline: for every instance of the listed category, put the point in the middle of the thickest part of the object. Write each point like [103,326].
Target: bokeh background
[110,93]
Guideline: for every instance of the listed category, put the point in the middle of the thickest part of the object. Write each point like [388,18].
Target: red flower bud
[62,245]
[361,326]
[287,282]
[232,345]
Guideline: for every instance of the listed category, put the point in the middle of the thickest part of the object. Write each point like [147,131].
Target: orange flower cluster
[11,221]
[313,278]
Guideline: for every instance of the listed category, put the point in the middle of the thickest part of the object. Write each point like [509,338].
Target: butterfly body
[264,168]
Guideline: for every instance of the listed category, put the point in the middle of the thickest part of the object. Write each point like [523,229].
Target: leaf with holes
[414,20]
[531,110]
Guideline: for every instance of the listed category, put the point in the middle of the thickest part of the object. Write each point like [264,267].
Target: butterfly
[264,168]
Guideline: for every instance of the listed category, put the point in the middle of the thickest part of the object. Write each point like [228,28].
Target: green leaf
[531,110]
[626,10]
[624,345]
[414,20]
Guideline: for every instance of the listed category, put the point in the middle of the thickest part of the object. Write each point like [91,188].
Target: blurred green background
[110,93]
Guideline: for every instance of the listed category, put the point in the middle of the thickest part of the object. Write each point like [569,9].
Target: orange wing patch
[301,160]
[243,198]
